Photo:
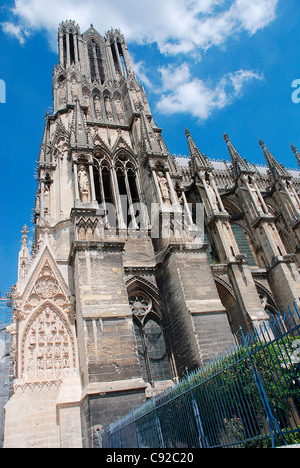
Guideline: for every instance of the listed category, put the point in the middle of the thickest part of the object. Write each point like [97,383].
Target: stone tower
[124,289]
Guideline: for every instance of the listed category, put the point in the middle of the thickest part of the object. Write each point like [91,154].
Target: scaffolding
[5,320]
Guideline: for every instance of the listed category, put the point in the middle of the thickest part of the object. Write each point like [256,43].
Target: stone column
[42,202]
[172,191]
[117,199]
[157,187]
[92,182]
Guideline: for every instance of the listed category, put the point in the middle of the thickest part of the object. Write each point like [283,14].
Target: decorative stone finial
[24,237]
[226,138]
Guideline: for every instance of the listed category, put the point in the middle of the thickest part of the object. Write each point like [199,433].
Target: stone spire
[80,135]
[295,151]
[24,257]
[199,161]
[277,171]
[45,151]
[239,164]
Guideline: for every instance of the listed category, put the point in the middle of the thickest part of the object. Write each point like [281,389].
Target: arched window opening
[65,50]
[91,60]
[106,178]
[123,195]
[151,344]
[123,64]
[72,49]
[100,63]
[115,58]
[243,243]
[97,184]
[132,185]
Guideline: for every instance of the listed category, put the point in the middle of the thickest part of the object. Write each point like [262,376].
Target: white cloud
[255,14]
[181,93]
[16,31]
[177,26]
[141,72]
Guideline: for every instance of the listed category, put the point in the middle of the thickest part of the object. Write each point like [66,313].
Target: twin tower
[143,264]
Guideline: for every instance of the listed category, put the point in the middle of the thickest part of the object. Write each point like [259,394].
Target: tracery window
[114,181]
[96,61]
[151,345]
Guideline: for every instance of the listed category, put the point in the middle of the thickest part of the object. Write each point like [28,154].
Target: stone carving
[47,347]
[46,287]
[74,89]
[97,106]
[62,93]
[108,108]
[119,109]
[84,184]
[163,183]
[140,305]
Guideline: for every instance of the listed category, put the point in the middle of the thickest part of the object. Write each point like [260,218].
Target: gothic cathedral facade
[123,290]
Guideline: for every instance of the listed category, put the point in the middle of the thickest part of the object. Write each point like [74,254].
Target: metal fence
[249,397]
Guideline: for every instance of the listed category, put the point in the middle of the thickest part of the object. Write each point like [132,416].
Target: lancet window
[96,61]
[117,184]
[70,48]
[151,344]
[118,57]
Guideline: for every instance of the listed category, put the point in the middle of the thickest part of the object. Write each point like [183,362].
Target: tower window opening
[122,59]
[115,58]
[100,64]
[65,50]
[72,50]
[91,60]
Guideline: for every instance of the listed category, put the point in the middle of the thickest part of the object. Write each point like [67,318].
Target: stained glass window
[150,340]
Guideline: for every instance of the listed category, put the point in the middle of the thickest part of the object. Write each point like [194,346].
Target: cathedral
[144,264]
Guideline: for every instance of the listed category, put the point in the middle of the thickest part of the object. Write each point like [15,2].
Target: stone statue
[83,183]
[163,186]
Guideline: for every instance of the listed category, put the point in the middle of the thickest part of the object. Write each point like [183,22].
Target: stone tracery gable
[46,338]
[46,283]
[47,347]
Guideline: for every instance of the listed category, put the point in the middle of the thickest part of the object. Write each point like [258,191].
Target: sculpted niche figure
[163,186]
[84,184]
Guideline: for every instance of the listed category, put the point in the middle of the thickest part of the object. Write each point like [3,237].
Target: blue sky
[208,65]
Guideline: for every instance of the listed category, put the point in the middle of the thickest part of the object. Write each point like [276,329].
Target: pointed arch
[267,299]
[47,345]
[153,351]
